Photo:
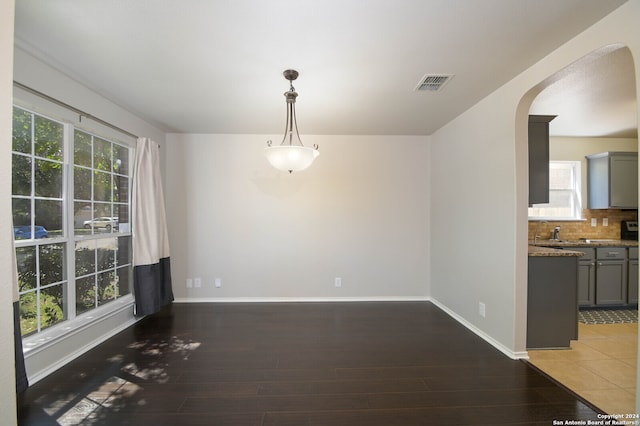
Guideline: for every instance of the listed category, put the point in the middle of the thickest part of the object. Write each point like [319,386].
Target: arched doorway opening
[595,101]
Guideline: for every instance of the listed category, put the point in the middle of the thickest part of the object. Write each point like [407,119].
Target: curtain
[22,383]
[151,262]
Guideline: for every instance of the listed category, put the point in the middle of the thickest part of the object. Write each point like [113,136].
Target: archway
[554,85]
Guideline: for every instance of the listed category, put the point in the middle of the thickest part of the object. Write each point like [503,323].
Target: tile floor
[600,366]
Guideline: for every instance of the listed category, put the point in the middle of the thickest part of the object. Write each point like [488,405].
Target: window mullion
[38,310]
[32,201]
[70,253]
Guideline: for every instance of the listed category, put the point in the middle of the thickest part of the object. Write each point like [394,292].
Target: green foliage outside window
[102,270]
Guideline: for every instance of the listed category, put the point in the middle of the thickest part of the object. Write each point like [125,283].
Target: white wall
[7,357]
[361,212]
[473,220]
[575,149]
[479,186]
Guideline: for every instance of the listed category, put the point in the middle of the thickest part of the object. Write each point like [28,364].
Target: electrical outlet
[605,221]
[594,221]
[482,309]
[338,282]
[197,282]
[218,282]
[189,283]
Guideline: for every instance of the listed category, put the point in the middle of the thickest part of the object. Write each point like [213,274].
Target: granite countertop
[546,247]
[540,251]
[586,242]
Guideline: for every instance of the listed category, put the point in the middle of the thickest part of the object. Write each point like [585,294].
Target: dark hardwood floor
[391,363]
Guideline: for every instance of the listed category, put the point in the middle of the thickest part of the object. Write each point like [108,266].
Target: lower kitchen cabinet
[607,276]
[586,276]
[632,288]
[552,309]
[611,276]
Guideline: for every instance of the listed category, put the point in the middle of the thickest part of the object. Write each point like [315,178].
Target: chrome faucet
[556,233]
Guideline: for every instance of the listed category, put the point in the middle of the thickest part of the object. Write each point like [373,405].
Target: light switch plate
[594,221]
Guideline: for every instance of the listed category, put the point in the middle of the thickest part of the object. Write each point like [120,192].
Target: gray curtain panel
[151,260]
[22,383]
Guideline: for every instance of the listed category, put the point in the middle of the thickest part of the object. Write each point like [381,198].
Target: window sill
[555,219]
[40,341]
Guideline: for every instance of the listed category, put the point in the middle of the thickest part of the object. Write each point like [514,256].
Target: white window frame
[545,211]
[73,322]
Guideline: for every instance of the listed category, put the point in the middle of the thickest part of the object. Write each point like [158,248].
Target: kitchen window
[71,204]
[565,195]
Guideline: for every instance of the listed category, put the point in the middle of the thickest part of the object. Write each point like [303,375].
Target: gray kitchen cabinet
[611,276]
[586,276]
[612,180]
[539,158]
[552,309]
[632,287]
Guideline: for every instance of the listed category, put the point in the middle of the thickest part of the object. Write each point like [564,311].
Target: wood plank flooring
[387,363]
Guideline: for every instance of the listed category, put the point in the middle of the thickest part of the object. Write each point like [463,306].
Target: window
[101,208]
[565,196]
[70,198]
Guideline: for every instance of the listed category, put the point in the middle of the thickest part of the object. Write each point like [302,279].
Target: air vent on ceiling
[433,82]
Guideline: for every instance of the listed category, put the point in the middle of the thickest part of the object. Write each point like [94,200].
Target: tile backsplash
[573,230]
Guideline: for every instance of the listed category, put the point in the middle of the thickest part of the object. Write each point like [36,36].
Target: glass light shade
[290,158]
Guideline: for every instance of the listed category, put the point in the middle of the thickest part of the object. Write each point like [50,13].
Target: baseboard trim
[301,299]
[484,336]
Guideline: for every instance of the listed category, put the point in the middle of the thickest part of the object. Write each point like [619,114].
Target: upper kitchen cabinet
[612,180]
[539,158]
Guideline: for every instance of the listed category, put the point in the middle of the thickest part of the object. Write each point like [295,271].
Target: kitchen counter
[542,251]
[585,242]
[553,247]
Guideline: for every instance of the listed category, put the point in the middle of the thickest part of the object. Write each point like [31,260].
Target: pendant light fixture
[291,155]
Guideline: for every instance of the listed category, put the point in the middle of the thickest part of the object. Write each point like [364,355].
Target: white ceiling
[215,66]
[597,97]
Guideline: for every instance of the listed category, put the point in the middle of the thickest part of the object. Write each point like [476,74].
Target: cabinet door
[612,180]
[633,282]
[586,283]
[624,181]
[598,182]
[611,279]
[539,158]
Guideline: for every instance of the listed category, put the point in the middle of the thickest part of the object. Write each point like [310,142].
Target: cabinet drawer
[611,253]
[633,252]
[589,253]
